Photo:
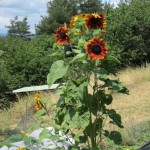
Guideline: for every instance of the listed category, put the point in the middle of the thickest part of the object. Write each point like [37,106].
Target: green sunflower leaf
[40,113]
[108,99]
[78,57]
[117,86]
[116,137]
[35,126]
[112,58]
[103,74]
[81,43]
[57,71]
[116,118]
[44,134]
[77,51]
[96,32]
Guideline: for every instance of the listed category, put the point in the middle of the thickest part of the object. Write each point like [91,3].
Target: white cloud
[33,9]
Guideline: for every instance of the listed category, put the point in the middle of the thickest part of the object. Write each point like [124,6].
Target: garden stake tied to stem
[81,111]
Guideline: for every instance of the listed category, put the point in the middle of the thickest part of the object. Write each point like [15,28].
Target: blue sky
[33,9]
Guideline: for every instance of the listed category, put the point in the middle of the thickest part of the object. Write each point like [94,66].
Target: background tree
[59,12]
[18,26]
[89,6]
[24,63]
[128,32]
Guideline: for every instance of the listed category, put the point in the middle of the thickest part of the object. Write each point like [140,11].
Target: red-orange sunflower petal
[61,36]
[94,21]
[96,48]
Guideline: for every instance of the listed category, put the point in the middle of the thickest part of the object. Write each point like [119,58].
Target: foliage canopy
[18,27]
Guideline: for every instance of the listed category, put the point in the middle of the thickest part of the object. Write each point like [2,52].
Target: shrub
[24,62]
[129,29]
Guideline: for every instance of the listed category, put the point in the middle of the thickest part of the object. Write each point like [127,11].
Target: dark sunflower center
[96,49]
[94,20]
[63,35]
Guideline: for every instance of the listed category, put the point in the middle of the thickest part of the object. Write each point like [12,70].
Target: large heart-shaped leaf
[57,71]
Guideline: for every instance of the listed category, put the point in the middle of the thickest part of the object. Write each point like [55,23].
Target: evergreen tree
[59,12]
[108,8]
[89,6]
[18,27]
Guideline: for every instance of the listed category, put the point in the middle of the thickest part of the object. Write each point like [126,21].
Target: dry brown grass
[10,118]
[135,75]
[134,107]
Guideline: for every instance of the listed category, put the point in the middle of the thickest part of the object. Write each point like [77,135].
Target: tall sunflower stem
[93,125]
[98,108]
[96,76]
[96,84]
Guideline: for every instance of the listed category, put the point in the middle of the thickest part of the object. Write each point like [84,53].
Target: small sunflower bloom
[38,101]
[38,107]
[61,36]
[73,21]
[95,21]
[20,148]
[24,133]
[37,94]
[96,48]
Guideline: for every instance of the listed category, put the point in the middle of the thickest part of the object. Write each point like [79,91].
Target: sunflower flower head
[95,21]
[38,101]
[74,19]
[96,48]
[61,36]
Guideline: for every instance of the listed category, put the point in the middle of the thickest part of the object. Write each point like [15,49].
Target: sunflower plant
[83,108]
